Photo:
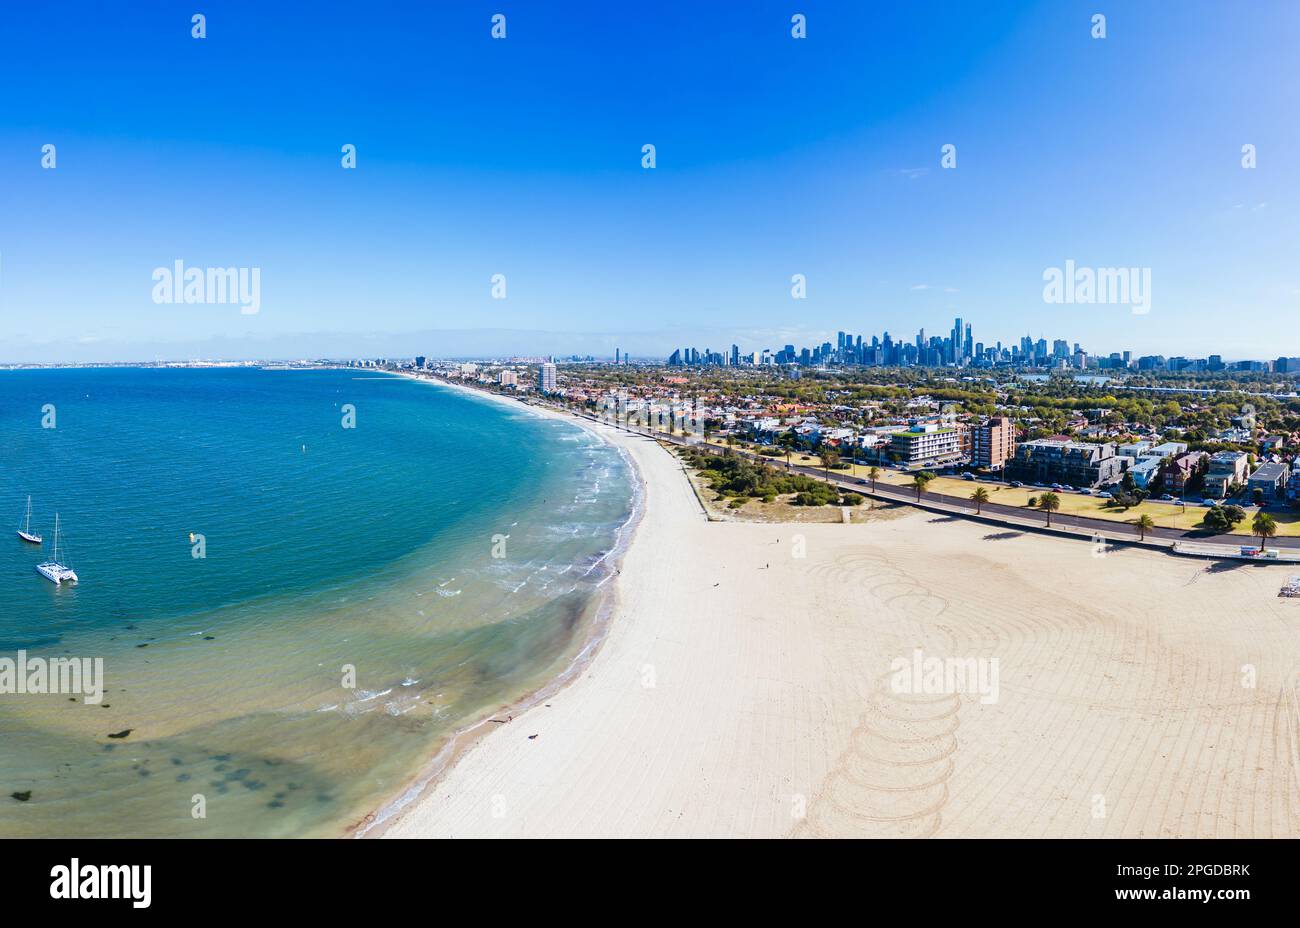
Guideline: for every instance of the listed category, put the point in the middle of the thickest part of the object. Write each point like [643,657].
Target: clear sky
[522,157]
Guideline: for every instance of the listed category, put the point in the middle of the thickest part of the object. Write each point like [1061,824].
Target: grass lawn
[1166,515]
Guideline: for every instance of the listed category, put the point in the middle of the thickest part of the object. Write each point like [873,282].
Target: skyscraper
[546,378]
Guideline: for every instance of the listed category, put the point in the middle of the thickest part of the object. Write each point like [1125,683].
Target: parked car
[1015,484]
[1085,491]
[1106,494]
[967,476]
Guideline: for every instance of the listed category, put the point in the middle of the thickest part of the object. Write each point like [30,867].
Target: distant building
[925,443]
[508,379]
[1068,462]
[993,442]
[546,378]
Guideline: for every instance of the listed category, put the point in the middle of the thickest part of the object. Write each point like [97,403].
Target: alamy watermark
[76,880]
[940,676]
[1127,286]
[70,676]
[241,286]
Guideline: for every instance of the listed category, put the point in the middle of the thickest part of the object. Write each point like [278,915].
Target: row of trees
[738,479]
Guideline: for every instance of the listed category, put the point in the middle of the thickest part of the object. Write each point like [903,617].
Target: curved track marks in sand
[1122,706]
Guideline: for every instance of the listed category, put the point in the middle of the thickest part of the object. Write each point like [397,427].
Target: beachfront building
[1135,450]
[1293,484]
[1145,471]
[1227,468]
[993,442]
[925,443]
[1180,469]
[508,379]
[763,429]
[1072,463]
[546,378]
[1170,448]
[1271,480]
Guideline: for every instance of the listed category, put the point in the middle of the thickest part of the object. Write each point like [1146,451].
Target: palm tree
[1049,502]
[1265,526]
[1144,524]
[873,475]
[920,482]
[830,457]
[980,497]
[786,441]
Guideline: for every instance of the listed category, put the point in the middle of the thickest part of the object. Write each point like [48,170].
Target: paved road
[908,495]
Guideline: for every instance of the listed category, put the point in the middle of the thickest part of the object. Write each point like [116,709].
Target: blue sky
[522,157]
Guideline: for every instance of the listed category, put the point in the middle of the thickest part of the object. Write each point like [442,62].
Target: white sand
[742,691]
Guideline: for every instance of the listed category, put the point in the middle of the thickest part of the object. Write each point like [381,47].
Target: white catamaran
[52,570]
[25,533]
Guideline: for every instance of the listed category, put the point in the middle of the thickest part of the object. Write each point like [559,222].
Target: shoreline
[742,690]
[376,823]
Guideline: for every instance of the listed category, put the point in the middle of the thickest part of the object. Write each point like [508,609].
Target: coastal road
[960,506]
[1019,517]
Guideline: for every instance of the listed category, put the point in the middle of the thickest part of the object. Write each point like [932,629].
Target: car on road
[967,476]
[1085,491]
[1166,497]
[862,483]
[1015,484]
[1106,494]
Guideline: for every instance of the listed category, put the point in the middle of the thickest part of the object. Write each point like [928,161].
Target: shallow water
[329,553]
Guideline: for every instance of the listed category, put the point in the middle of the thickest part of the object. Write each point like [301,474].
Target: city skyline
[960,348]
[504,181]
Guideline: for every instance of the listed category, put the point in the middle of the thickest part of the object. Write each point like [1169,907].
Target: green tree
[980,497]
[1144,524]
[1049,502]
[1265,526]
[873,475]
[920,482]
[830,457]
[786,441]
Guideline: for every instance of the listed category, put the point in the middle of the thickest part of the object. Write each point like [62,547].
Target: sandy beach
[743,689]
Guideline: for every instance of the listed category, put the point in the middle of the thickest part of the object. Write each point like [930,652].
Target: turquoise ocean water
[329,552]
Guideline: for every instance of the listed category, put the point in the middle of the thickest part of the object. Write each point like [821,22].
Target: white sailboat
[25,533]
[52,570]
